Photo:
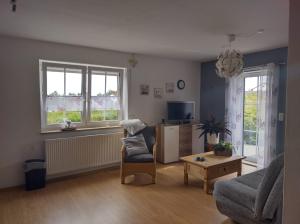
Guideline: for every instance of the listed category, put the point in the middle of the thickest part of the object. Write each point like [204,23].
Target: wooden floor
[100,198]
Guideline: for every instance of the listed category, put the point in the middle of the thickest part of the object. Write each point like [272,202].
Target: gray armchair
[255,198]
[142,163]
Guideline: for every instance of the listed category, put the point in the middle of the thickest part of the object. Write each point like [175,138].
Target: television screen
[181,110]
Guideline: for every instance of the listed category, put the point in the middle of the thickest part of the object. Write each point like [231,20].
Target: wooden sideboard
[174,141]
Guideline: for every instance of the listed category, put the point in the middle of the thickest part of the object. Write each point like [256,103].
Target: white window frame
[86,93]
[120,90]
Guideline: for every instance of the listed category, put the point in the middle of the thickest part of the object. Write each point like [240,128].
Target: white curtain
[267,101]
[234,105]
[125,94]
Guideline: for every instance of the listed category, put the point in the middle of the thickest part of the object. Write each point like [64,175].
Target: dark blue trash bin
[35,174]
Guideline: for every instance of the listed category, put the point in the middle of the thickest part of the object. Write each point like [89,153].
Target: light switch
[281,116]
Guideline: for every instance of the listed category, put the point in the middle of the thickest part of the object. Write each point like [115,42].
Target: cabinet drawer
[224,169]
[231,168]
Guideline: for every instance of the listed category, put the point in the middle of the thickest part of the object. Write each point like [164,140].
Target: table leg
[186,175]
[239,172]
[206,186]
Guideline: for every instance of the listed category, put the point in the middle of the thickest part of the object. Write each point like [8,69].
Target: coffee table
[213,167]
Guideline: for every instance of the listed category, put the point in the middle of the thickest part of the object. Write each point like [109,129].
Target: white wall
[157,72]
[292,140]
[20,137]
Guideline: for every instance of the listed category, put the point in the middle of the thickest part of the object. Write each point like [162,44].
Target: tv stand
[176,140]
[178,122]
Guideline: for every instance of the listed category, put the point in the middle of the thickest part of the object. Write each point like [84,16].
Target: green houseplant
[212,128]
[223,149]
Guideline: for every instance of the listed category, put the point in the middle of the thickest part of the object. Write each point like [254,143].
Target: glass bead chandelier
[230,62]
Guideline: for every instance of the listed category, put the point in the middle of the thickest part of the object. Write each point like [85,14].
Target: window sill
[79,129]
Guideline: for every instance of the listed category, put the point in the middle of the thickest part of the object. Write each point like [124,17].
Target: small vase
[212,139]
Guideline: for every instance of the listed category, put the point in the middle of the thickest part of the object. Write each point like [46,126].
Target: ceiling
[188,29]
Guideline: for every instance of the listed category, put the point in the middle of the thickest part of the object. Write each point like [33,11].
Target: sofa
[253,198]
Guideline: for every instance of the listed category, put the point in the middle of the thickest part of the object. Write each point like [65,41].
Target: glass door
[250,118]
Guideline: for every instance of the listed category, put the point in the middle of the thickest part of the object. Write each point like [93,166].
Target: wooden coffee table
[213,167]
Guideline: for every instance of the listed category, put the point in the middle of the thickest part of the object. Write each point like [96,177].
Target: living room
[76,74]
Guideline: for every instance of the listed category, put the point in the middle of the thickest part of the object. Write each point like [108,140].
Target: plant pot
[212,139]
[223,153]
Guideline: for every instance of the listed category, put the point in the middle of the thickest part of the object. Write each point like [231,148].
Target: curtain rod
[256,67]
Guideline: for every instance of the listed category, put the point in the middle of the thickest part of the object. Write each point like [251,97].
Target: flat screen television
[181,110]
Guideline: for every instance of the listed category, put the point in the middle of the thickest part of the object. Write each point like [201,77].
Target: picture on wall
[144,89]
[170,87]
[158,92]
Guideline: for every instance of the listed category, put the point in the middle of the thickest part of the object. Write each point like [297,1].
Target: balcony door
[250,144]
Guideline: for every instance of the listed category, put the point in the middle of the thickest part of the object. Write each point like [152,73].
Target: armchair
[142,163]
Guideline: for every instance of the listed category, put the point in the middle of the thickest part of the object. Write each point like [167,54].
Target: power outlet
[281,116]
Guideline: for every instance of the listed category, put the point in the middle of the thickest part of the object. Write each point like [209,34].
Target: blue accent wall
[212,91]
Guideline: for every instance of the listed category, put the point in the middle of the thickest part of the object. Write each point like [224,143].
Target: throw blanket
[133,126]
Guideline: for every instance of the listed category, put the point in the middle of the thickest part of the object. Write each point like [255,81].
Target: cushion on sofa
[275,198]
[141,158]
[237,192]
[238,213]
[267,183]
[252,179]
[135,145]
[149,136]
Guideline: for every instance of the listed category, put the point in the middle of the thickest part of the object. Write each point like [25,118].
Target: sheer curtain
[267,101]
[125,95]
[234,105]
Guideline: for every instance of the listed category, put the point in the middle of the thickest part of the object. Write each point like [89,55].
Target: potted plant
[212,128]
[223,149]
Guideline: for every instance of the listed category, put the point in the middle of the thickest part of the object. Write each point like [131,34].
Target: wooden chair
[143,163]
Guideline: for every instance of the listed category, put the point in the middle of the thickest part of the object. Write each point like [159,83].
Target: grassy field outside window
[58,117]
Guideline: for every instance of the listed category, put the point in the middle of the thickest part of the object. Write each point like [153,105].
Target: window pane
[251,98]
[97,115]
[112,85]
[251,84]
[104,103]
[55,81]
[74,116]
[55,117]
[98,84]
[73,82]
[101,115]
[105,108]
[250,112]
[61,108]
[111,115]
[249,137]
[58,117]
[112,102]
[112,105]
[98,103]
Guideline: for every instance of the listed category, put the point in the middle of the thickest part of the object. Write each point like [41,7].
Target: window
[89,96]
[104,96]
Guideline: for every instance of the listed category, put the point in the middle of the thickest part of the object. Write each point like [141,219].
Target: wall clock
[180,84]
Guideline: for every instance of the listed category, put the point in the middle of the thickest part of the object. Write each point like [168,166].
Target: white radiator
[65,155]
